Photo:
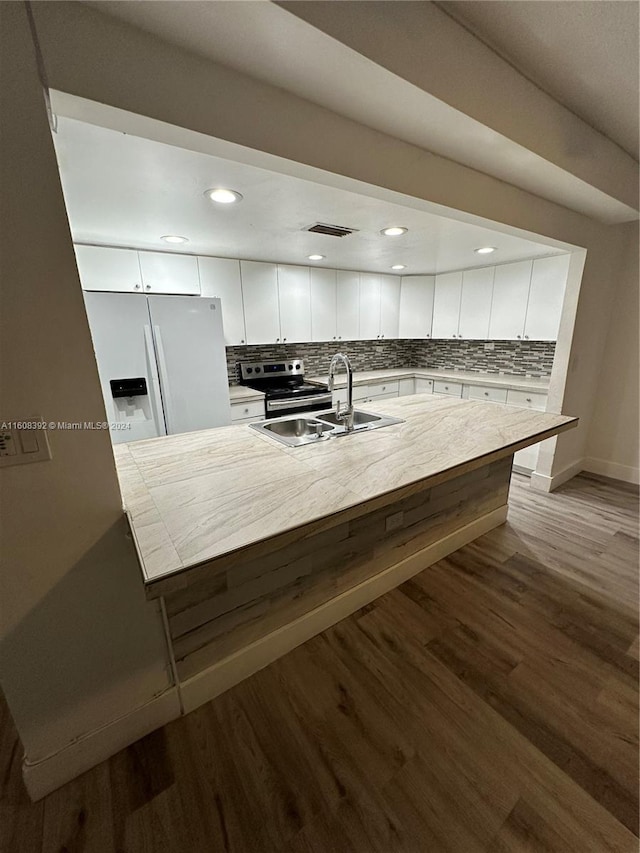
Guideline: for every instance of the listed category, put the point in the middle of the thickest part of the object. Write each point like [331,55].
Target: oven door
[297,405]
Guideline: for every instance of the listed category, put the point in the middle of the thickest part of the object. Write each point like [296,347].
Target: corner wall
[613,444]
[80,647]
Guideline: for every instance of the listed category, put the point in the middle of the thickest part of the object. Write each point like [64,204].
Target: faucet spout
[346,415]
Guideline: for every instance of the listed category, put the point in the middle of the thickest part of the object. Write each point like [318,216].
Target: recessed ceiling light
[485,250]
[399,267]
[394,231]
[223,196]
[174,238]
[316,257]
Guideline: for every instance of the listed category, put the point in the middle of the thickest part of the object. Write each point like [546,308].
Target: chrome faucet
[346,415]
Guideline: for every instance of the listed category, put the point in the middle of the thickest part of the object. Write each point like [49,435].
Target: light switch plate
[23,441]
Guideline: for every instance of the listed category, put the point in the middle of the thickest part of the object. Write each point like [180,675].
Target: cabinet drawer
[424,386]
[481,392]
[384,389]
[454,389]
[247,411]
[527,400]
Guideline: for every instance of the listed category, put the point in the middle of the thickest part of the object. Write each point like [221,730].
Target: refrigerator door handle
[154,396]
[164,378]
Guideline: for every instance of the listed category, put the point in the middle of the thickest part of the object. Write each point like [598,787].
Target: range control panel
[271,369]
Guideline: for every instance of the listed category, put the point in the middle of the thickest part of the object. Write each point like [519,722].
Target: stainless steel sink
[295,431]
[359,418]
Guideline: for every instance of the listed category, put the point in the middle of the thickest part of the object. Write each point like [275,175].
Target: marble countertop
[194,497]
[242,394]
[491,380]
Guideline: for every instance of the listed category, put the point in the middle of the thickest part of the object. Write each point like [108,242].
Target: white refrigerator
[161,361]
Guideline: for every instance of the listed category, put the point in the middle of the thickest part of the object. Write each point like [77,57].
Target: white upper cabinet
[369,306]
[389,306]
[260,295]
[546,295]
[348,305]
[510,296]
[166,273]
[416,306]
[221,277]
[103,268]
[475,304]
[295,303]
[323,305]
[446,305]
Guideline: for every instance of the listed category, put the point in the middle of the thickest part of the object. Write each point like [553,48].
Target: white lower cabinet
[406,387]
[481,392]
[527,400]
[246,412]
[453,389]
[382,390]
[424,386]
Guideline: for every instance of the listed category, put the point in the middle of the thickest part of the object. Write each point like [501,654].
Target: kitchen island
[253,546]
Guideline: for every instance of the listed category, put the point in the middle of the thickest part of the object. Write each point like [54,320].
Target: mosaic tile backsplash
[521,358]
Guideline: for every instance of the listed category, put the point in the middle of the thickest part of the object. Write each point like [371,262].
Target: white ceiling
[125,190]
[271,44]
[582,53]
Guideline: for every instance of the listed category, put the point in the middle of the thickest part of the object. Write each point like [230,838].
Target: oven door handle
[299,402]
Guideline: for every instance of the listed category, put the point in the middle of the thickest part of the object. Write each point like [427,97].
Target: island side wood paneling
[228,610]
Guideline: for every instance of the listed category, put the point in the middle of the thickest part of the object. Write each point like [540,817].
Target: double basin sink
[309,429]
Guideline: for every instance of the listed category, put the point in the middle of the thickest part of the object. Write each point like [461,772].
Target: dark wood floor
[490,704]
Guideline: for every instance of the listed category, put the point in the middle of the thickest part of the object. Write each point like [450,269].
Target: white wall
[613,447]
[79,644]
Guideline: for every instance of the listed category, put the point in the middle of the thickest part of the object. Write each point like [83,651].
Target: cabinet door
[389,305]
[509,305]
[295,303]
[165,273]
[260,295]
[369,306]
[446,305]
[221,277]
[546,295]
[102,268]
[348,305]
[416,306]
[323,305]
[475,304]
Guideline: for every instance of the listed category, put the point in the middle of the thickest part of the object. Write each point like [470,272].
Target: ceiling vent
[332,230]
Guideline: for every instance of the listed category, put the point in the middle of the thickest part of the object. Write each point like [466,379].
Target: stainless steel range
[284,386]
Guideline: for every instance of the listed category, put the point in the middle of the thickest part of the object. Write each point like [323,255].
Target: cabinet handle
[486,393]
[136,287]
[147,287]
[446,387]
[277,340]
[242,341]
[339,337]
[246,411]
[519,336]
[528,399]
[526,337]
[428,335]
[283,340]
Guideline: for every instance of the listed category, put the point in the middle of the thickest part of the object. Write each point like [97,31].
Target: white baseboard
[226,673]
[45,776]
[612,469]
[545,483]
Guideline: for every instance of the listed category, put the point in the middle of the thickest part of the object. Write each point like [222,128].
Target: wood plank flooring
[489,704]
